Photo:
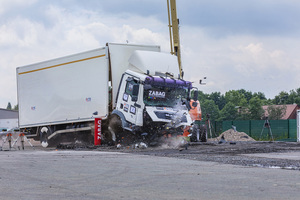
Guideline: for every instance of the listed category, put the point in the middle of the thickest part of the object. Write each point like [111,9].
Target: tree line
[239,105]
[245,105]
[9,107]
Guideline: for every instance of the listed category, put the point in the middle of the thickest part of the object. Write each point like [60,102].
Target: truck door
[130,99]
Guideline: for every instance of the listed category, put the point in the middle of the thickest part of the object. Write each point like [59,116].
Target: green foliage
[16,107]
[256,111]
[229,112]
[243,113]
[247,94]
[281,99]
[218,98]
[267,102]
[244,105]
[208,107]
[202,96]
[8,106]
[276,112]
[236,98]
[294,97]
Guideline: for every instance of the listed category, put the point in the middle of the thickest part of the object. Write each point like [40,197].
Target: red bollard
[98,131]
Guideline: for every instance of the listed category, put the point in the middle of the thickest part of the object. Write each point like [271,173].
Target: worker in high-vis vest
[195,113]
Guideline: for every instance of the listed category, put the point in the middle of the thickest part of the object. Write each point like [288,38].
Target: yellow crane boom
[174,32]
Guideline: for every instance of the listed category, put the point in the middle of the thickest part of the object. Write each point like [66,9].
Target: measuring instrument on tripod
[21,137]
[268,126]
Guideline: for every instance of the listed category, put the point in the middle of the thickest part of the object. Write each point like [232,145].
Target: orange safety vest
[195,112]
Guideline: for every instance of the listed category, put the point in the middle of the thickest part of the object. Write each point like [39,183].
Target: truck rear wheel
[203,133]
[195,131]
[199,133]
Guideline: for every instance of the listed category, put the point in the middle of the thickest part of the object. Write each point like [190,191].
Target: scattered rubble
[232,136]
[173,143]
[75,146]
[141,145]
[242,153]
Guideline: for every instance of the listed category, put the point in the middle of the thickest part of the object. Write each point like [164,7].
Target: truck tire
[203,133]
[195,130]
[115,129]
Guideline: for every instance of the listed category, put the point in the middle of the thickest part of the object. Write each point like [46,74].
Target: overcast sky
[250,44]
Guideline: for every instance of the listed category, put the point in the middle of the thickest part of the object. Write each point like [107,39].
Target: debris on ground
[222,140]
[173,143]
[76,146]
[141,145]
[232,136]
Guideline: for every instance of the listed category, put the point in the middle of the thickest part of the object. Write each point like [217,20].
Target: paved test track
[38,174]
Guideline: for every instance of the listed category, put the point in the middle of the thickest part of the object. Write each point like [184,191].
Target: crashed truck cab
[153,102]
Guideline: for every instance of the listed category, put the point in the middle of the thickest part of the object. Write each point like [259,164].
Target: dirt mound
[232,136]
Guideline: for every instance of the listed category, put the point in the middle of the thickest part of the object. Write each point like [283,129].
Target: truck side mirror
[195,97]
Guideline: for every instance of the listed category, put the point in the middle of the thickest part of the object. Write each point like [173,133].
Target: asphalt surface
[236,153]
[206,171]
[113,175]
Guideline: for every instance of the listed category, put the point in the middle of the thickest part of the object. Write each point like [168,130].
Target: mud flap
[44,132]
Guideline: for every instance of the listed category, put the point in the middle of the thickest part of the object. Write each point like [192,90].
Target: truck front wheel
[115,128]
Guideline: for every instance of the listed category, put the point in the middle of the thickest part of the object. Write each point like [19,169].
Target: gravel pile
[232,136]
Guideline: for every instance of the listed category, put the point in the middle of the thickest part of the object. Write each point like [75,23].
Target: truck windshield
[165,96]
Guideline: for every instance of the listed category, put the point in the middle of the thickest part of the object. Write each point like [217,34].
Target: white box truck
[133,88]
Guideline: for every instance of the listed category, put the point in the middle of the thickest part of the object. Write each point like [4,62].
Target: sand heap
[233,136]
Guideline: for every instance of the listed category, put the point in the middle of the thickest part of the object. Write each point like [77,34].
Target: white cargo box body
[119,58]
[70,89]
[64,90]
